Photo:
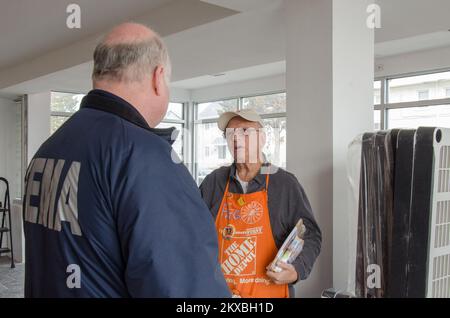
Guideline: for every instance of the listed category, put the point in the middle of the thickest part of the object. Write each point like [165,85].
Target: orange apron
[246,244]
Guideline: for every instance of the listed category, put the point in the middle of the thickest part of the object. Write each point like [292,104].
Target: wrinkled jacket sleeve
[167,234]
[300,208]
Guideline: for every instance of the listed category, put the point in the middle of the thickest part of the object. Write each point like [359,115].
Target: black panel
[420,212]
[401,215]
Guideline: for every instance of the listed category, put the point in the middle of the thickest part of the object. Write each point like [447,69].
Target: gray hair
[130,62]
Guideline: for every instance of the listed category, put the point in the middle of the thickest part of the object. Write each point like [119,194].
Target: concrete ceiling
[241,5]
[412,25]
[247,73]
[215,47]
[171,17]
[410,18]
[29,28]
[413,44]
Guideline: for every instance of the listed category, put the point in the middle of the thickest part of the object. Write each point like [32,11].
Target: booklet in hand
[291,247]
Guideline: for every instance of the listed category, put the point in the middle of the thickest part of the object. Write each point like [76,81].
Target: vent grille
[441,277]
[442,227]
[444,169]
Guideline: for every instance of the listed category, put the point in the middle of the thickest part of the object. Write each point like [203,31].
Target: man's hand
[288,274]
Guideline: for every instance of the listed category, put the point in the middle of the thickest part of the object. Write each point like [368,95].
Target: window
[210,146]
[213,110]
[377,92]
[413,101]
[175,118]
[222,151]
[377,101]
[62,106]
[275,148]
[413,117]
[377,119]
[178,144]
[271,107]
[174,112]
[266,104]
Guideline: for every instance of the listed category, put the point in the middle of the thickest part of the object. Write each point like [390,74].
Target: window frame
[183,122]
[385,106]
[190,121]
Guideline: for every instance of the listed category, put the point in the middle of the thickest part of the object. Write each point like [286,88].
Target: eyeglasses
[241,132]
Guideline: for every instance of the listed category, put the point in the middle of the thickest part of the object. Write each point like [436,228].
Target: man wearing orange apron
[246,245]
[256,205]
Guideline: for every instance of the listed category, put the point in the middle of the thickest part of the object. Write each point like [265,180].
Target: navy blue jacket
[108,213]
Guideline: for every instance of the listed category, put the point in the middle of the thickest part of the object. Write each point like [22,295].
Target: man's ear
[159,84]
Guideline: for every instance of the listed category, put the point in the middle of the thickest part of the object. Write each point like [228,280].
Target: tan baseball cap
[247,114]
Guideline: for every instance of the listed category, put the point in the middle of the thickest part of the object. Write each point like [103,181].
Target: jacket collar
[260,178]
[110,103]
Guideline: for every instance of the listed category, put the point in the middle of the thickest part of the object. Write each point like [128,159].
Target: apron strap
[226,187]
[267,183]
[225,197]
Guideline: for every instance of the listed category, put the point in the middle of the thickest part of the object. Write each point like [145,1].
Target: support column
[329,81]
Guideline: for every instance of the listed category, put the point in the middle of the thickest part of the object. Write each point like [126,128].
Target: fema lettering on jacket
[41,204]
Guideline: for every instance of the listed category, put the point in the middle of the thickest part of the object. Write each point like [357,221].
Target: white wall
[353,73]
[244,88]
[9,144]
[179,95]
[10,163]
[329,84]
[229,43]
[310,121]
[422,61]
[38,121]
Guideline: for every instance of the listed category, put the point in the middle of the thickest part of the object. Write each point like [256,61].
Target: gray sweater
[287,204]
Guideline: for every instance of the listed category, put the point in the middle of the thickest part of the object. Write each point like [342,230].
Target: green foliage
[65,102]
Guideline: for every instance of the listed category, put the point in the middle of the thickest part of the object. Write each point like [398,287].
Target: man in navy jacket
[107,212]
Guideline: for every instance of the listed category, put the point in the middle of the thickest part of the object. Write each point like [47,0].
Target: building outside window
[208,136]
[222,151]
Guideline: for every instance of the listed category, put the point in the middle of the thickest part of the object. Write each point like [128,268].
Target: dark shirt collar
[108,102]
[260,178]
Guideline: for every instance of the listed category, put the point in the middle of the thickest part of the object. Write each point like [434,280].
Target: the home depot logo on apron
[239,258]
[246,244]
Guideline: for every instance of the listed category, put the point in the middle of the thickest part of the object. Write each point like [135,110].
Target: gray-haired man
[256,205]
[107,212]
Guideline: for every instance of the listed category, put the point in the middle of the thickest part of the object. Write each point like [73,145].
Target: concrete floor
[11,280]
